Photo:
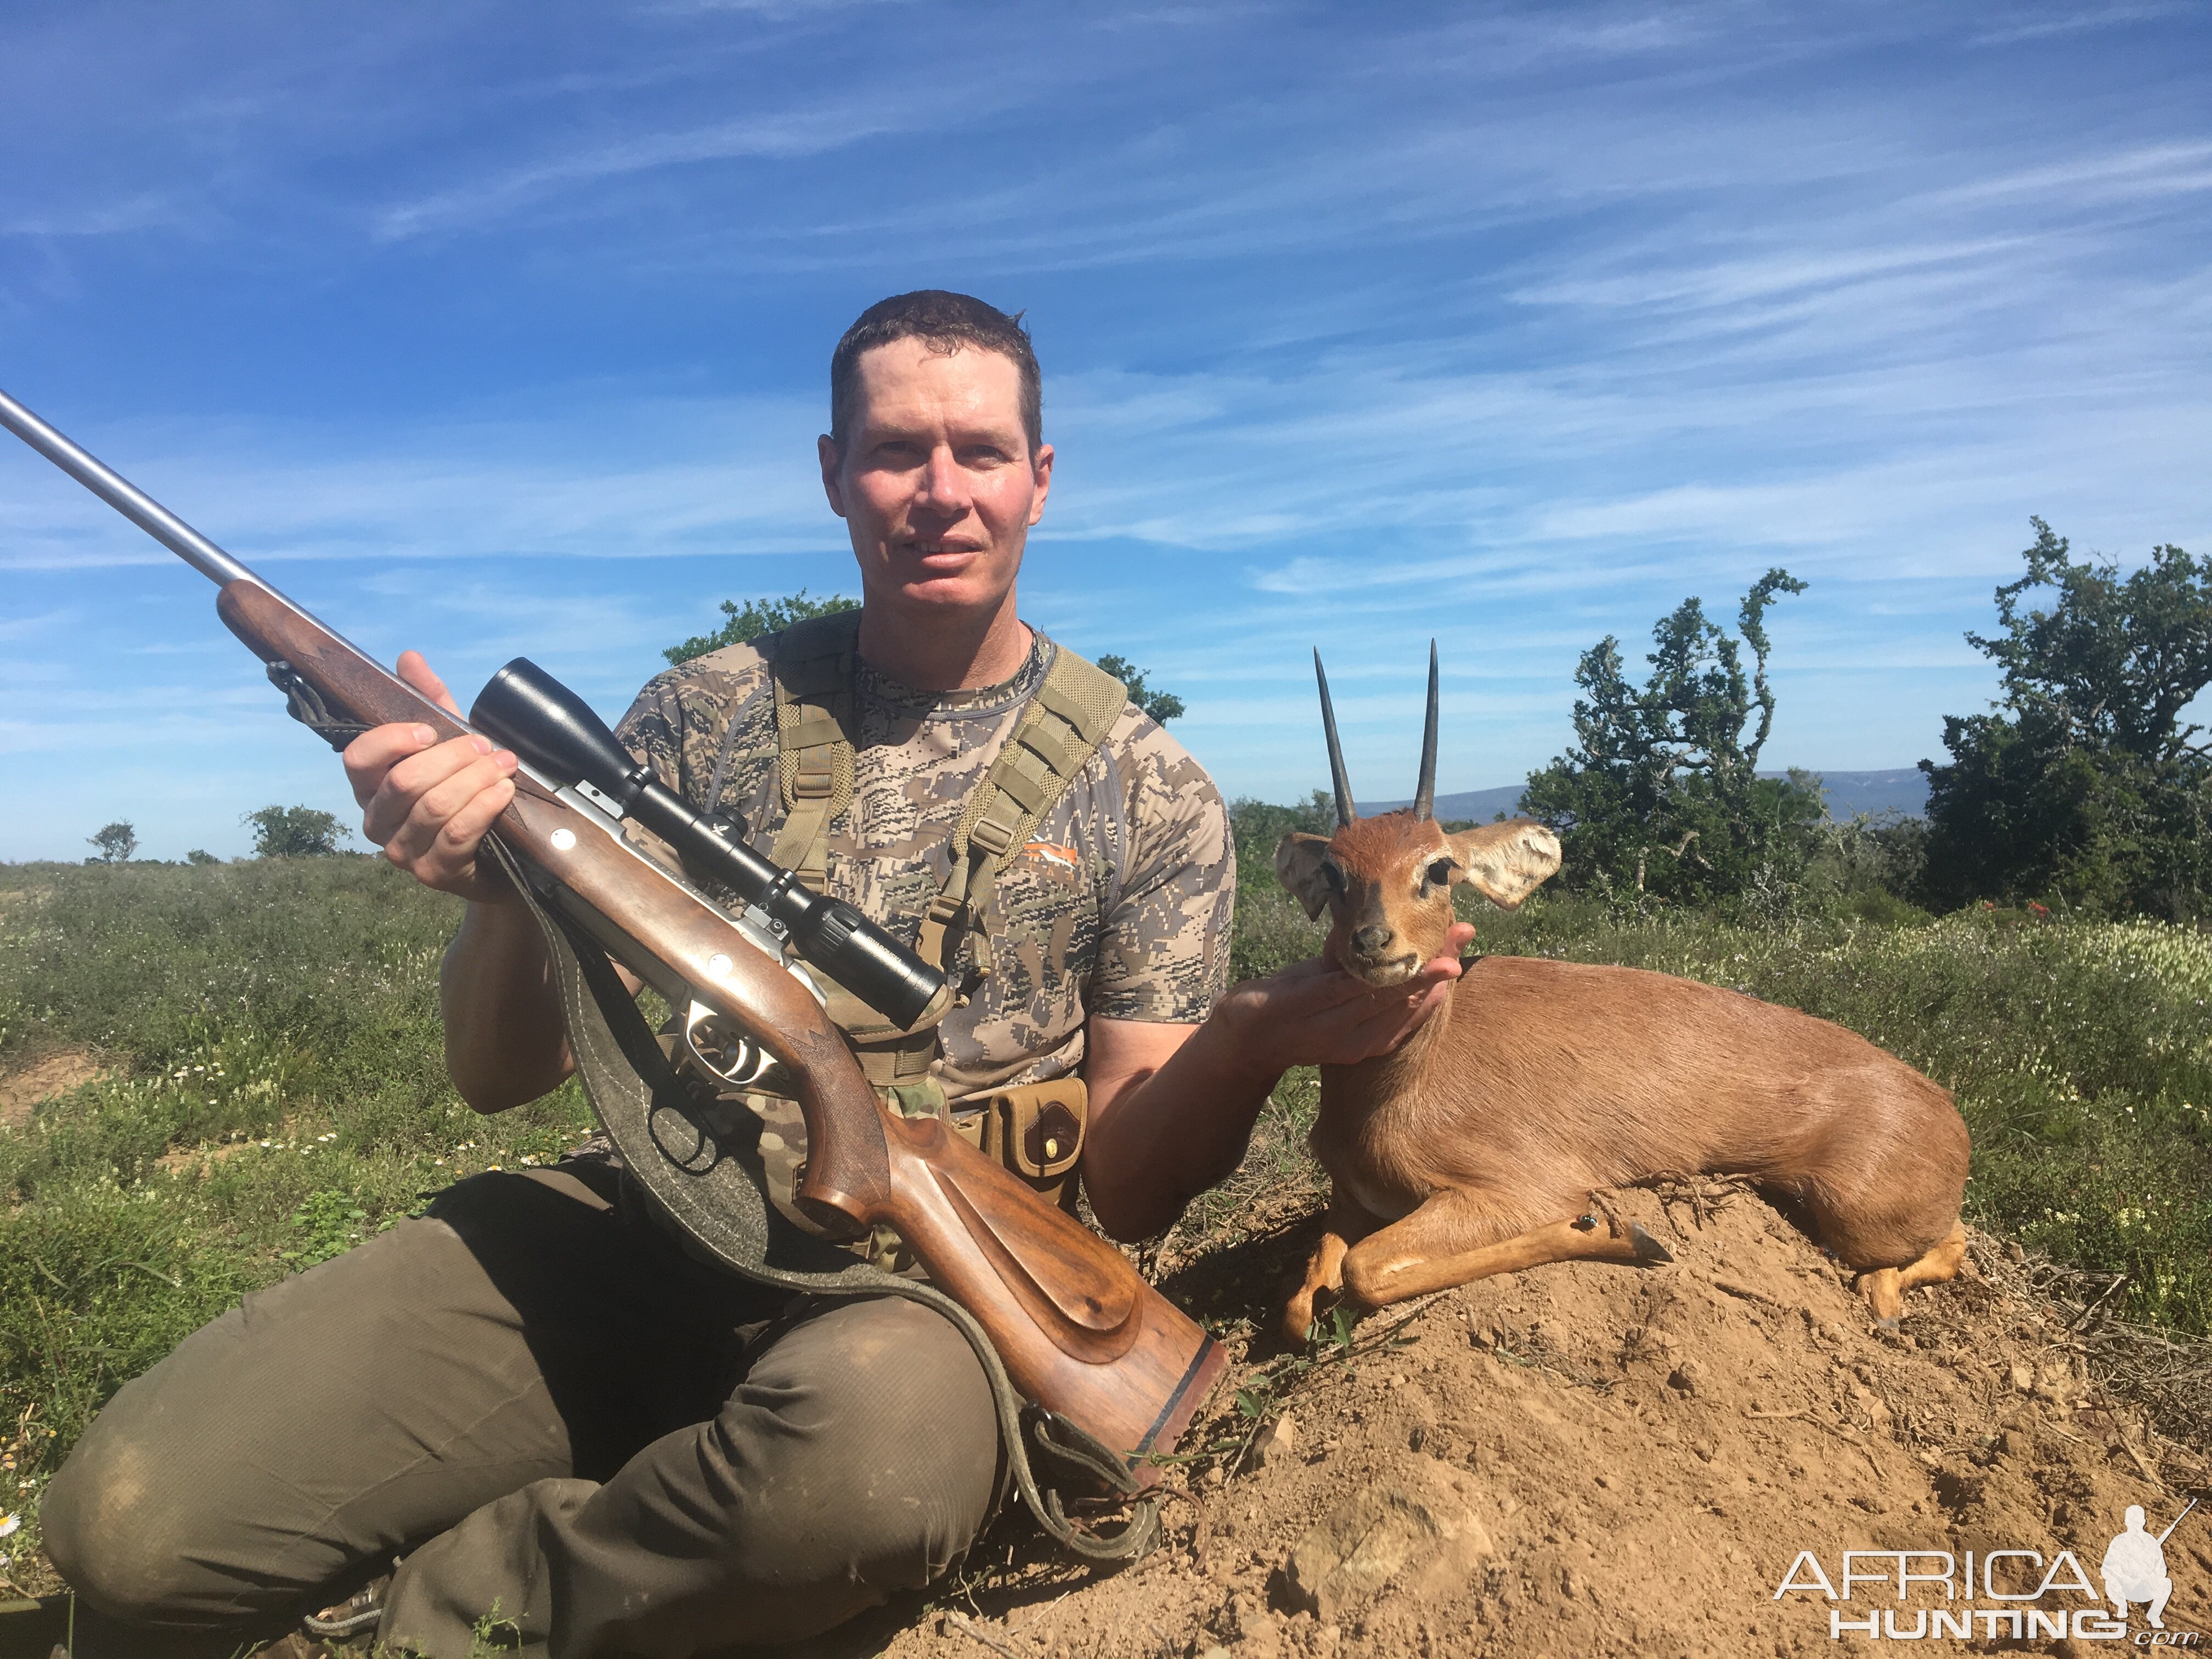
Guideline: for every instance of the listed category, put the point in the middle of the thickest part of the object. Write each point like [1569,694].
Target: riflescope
[556,734]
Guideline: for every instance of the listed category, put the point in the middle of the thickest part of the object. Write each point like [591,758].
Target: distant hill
[1848,793]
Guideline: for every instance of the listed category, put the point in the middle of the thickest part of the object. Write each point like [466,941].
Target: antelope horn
[1424,791]
[1343,784]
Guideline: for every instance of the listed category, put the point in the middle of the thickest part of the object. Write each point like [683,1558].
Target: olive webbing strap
[811,671]
[1058,733]
[1054,737]
[697,1179]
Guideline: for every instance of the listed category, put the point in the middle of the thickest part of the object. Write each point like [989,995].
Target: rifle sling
[712,1197]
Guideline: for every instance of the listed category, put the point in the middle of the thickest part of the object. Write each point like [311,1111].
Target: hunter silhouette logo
[2135,1567]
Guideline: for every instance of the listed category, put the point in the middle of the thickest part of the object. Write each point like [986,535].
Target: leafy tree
[117,842]
[295,832]
[1661,794]
[201,856]
[756,617]
[1161,706]
[2084,785]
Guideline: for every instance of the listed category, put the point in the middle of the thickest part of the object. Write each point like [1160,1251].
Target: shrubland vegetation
[2085,787]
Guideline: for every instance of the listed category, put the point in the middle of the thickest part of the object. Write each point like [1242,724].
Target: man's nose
[944,485]
[1369,939]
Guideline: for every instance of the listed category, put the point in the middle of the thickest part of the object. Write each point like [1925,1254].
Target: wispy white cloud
[784,136]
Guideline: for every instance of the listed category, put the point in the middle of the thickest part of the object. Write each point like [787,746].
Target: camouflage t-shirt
[1119,905]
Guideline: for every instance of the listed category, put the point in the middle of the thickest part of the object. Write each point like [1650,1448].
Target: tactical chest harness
[1037,1130]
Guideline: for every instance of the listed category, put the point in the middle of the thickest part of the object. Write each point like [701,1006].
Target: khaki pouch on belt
[1035,1130]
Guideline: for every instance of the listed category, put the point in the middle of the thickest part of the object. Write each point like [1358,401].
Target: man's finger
[469,826]
[405,783]
[415,669]
[378,750]
[1393,1026]
[435,806]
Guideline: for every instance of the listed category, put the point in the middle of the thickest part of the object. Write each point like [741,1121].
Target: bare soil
[1627,1462]
[28,1085]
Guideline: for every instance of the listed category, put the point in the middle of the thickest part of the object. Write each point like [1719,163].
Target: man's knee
[879,1368]
[111,1527]
[877,1424]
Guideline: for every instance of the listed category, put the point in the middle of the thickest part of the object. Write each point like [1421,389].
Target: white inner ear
[1505,863]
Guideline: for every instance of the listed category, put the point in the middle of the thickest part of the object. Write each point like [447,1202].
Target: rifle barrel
[126,497]
[2177,1521]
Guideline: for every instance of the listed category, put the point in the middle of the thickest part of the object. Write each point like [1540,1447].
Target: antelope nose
[1368,940]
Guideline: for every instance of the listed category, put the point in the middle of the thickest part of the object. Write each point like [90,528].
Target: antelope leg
[1344,1223]
[1884,1289]
[1443,1243]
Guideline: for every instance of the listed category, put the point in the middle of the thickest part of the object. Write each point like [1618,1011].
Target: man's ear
[1297,866]
[1503,862]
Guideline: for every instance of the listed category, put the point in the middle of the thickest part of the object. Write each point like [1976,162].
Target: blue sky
[496,329]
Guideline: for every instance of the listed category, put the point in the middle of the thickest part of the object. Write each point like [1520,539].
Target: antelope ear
[1504,862]
[1297,866]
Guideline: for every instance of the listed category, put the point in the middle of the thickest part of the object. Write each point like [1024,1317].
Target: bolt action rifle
[1075,1327]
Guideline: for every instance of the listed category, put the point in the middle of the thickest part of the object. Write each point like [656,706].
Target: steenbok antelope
[1476,1147]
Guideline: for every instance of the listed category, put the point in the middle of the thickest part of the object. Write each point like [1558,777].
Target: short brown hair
[944,322]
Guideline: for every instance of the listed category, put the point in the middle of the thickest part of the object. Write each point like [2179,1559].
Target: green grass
[275,1095]
[274,1092]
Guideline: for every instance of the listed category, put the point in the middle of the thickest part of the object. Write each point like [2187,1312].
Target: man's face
[936,481]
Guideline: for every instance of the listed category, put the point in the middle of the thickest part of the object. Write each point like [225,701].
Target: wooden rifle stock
[1076,1328]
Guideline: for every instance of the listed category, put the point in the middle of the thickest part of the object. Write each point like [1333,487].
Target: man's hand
[1171,1106]
[428,804]
[1314,1013]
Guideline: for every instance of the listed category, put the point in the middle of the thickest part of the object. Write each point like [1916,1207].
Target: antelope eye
[1440,873]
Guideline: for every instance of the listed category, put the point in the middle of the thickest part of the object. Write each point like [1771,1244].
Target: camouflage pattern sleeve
[1163,949]
[678,723]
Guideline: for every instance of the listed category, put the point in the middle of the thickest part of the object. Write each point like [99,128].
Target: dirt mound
[1590,1459]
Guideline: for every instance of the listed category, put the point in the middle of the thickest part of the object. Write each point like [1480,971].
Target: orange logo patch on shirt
[1051,852]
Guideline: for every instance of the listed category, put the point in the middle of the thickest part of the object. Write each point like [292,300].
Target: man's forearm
[504,1040]
[1177,1132]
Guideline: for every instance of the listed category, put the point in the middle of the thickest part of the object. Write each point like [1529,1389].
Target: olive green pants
[560,1422]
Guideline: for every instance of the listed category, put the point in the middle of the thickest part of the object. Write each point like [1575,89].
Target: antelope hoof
[1650,1252]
